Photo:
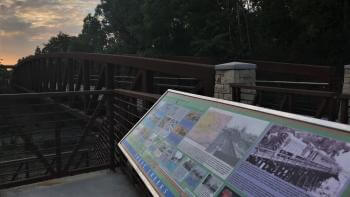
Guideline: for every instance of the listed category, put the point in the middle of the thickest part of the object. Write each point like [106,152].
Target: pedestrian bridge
[62,115]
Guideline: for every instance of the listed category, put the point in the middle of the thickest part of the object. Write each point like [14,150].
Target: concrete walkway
[102,183]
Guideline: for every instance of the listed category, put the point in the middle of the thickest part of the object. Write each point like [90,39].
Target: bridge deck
[102,183]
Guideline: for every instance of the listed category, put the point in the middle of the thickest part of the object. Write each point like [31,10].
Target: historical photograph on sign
[166,126]
[236,138]
[209,186]
[141,133]
[182,170]
[177,134]
[190,119]
[160,149]
[164,108]
[153,138]
[315,164]
[151,120]
[178,113]
[172,160]
[209,126]
[195,176]
[183,127]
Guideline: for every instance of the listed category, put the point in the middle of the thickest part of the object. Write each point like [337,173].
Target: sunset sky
[25,24]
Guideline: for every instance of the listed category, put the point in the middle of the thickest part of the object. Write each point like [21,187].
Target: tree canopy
[313,31]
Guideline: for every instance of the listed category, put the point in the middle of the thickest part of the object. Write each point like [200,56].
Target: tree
[212,25]
[177,27]
[122,22]
[299,31]
[37,51]
[92,36]
[59,43]
[166,30]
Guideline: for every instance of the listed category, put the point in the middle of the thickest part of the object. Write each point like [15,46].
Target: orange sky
[8,59]
[25,24]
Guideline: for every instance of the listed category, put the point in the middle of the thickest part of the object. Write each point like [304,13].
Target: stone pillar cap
[347,66]
[235,66]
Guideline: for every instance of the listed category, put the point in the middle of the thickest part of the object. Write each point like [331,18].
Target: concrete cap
[235,66]
[347,66]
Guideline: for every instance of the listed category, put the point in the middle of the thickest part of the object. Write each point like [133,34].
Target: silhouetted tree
[93,34]
[37,51]
[293,31]
[59,43]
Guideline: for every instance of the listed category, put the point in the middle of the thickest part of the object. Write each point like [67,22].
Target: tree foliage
[37,51]
[92,38]
[312,31]
[59,43]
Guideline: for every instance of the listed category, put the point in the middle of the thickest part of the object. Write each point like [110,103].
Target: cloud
[13,23]
[33,22]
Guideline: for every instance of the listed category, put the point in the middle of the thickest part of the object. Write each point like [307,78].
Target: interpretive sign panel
[189,145]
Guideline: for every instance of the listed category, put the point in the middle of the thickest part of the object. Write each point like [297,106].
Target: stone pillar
[234,72]
[346,90]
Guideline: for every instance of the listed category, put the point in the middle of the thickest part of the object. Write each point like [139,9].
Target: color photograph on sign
[189,145]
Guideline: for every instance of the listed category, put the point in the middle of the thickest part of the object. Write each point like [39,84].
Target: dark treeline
[301,31]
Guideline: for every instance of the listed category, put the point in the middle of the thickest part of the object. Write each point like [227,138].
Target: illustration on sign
[197,146]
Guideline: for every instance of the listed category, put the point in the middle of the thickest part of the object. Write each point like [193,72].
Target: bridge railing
[84,71]
[54,134]
[48,135]
[4,78]
[318,104]
[128,108]
[120,88]
[344,116]
[283,75]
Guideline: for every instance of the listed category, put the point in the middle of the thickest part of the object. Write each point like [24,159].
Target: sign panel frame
[145,171]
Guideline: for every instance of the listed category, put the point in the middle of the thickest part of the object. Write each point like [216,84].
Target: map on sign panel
[188,145]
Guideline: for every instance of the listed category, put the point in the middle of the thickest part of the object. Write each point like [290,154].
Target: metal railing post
[109,110]
[344,110]
[58,150]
